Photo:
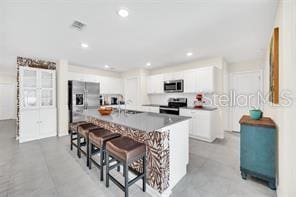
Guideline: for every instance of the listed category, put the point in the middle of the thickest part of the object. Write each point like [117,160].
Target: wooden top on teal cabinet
[263,122]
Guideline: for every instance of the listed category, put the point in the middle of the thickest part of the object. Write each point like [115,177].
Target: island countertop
[144,121]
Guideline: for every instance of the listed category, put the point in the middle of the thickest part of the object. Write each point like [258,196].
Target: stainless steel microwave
[174,86]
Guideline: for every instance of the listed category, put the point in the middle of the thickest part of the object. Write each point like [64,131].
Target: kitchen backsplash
[162,99]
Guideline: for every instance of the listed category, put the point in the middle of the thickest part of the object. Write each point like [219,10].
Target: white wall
[285,116]
[7,78]
[257,64]
[10,78]
[92,71]
[62,97]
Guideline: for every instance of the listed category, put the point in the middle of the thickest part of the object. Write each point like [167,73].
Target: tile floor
[48,168]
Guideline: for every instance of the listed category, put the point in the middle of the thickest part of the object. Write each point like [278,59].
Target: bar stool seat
[125,151]
[84,129]
[73,129]
[126,148]
[97,139]
[74,125]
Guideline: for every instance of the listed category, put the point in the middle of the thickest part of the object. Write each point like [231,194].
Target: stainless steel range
[173,106]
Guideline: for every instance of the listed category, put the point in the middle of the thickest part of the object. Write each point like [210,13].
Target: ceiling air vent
[78,25]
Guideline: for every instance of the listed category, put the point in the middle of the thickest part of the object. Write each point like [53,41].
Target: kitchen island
[166,138]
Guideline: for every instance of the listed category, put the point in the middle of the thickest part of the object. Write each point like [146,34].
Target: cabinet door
[29,90]
[150,85]
[201,124]
[29,125]
[103,85]
[118,86]
[186,112]
[47,123]
[190,81]
[158,83]
[47,88]
[205,79]
[115,85]
[155,84]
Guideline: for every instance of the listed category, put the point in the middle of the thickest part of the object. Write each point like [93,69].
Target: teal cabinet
[258,149]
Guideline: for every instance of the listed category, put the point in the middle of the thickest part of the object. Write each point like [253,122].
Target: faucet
[119,109]
[127,102]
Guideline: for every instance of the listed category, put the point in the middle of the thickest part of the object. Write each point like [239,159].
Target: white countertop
[145,121]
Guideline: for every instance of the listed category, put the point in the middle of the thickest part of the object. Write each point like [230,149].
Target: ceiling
[160,32]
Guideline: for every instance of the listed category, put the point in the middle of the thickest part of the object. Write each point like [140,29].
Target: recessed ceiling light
[107,66]
[84,45]
[148,64]
[123,12]
[189,54]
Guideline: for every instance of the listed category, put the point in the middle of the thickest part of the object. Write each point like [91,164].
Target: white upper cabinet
[206,79]
[190,81]
[47,88]
[195,80]
[108,85]
[111,85]
[155,84]
[173,76]
[37,87]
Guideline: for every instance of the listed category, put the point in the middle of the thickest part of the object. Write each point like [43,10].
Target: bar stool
[83,131]
[73,129]
[125,151]
[97,138]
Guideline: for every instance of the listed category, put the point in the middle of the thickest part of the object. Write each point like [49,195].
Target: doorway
[244,87]
[7,102]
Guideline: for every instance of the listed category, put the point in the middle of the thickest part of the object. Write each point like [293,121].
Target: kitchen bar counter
[167,144]
[145,121]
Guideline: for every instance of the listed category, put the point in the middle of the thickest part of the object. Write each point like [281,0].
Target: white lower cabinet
[48,122]
[29,125]
[37,123]
[203,123]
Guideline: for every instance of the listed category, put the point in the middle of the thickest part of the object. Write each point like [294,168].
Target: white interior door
[7,102]
[132,93]
[243,85]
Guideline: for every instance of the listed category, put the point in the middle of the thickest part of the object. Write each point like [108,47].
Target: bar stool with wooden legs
[83,131]
[125,151]
[73,130]
[97,143]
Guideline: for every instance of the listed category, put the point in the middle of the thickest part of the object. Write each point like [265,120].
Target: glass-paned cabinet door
[30,98]
[47,98]
[29,78]
[47,78]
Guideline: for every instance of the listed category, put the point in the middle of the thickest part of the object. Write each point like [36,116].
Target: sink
[128,111]
[132,112]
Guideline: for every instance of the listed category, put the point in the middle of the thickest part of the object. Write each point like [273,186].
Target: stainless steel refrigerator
[82,96]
